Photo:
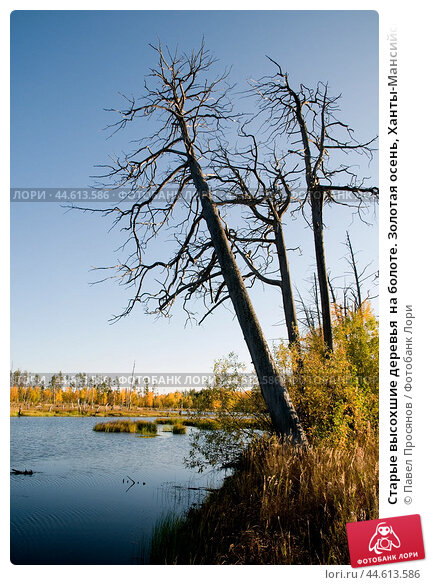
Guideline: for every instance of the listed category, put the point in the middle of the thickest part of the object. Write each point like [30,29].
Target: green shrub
[336,397]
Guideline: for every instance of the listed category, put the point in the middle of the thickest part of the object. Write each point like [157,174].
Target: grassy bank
[205,423]
[281,507]
[200,423]
[127,426]
[68,410]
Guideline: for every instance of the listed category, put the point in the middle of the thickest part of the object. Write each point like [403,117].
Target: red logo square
[387,540]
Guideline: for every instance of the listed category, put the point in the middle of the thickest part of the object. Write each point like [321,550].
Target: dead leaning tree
[306,118]
[185,107]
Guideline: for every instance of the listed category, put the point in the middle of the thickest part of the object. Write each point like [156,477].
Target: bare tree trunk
[322,274]
[286,287]
[331,288]
[282,413]
[289,306]
[355,271]
[316,302]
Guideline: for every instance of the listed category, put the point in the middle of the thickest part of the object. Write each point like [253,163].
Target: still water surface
[80,506]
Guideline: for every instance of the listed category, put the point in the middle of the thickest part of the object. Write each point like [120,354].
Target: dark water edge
[94,498]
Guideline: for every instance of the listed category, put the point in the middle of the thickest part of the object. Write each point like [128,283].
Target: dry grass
[283,506]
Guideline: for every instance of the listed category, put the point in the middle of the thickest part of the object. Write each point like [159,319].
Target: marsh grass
[169,420]
[206,423]
[168,529]
[198,422]
[282,506]
[127,426]
[179,429]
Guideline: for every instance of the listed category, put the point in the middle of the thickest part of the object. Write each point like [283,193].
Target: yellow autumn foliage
[336,396]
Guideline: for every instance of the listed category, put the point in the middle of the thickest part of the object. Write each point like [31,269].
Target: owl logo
[384,539]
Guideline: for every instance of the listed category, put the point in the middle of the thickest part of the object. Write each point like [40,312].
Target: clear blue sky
[66,67]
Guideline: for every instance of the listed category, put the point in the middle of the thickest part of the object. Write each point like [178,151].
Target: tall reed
[283,506]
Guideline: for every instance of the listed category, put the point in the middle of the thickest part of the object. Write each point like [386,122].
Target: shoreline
[50,410]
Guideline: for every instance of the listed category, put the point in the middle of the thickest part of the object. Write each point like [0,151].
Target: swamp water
[81,506]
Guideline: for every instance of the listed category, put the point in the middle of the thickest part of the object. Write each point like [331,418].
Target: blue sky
[66,68]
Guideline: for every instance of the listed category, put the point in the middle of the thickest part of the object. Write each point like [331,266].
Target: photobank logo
[384,539]
[387,540]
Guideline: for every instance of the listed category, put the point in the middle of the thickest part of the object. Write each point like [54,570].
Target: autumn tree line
[107,395]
